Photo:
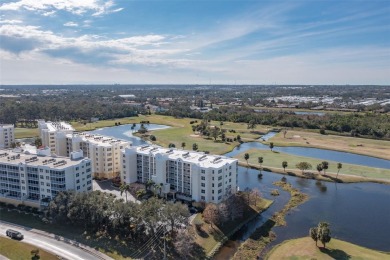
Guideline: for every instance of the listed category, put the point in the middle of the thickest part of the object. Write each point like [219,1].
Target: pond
[125,132]
[322,154]
[358,213]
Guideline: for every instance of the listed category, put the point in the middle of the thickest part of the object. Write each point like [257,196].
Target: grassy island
[305,248]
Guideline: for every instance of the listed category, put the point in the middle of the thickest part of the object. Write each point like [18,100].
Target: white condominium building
[184,174]
[49,130]
[7,136]
[35,179]
[104,152]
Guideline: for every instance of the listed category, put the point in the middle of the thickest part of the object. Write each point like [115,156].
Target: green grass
[26,132]
[275,159]
[18,250]
[305,248]
[110,246]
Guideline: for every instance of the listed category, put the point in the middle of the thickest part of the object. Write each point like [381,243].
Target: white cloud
[71,24]
[47,7]
[11,21]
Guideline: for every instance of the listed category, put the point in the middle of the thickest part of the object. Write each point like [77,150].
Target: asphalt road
[56,245]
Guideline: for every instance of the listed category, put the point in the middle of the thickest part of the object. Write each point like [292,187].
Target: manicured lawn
[371,147]
[13,249]
[26,132]
[305,248]
[110,246]
[274,159]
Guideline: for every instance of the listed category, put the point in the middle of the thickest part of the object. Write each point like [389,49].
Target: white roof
[199,158]
[100,140]
[10,157]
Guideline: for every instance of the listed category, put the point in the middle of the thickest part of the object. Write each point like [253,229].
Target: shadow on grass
[333,178]
[335,253]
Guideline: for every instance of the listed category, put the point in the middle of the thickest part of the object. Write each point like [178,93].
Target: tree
[339,166]
[153,138]
[271,146]
[252,124]
[184,244]
[210,214]
[323,232]
[260,160]
[325,166]
[238,138]
[149,184]
[195,147]
[254,195]
[246,157]
[284,133]
[214,132]
[124,188]
[183,144]
[175,214]
[314,234]
[319,168]
[284,165]
[38,142]
[171,145]
[303,166]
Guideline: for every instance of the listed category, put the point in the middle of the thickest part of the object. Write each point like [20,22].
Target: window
[41,176]
[202,197]
[219,191]
[202,184]
[47,178]
[203,178]
[202,191]
[42,183]
[78,187]
[212,185]
[212,191]
[22,175]
[220,178]
[77,174]
[220,184]
[48,190]
[203,171]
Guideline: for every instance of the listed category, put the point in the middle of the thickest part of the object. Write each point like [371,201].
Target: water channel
[358,212]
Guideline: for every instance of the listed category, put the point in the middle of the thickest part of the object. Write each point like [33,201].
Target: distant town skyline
[194,42]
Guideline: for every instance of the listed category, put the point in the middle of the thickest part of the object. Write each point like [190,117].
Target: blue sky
[194,42]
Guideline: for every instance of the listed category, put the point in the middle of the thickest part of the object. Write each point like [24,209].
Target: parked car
[14,234]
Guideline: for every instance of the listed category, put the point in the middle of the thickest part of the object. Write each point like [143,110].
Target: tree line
[128,222]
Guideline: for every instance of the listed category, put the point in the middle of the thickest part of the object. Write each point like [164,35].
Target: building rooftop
[11,157]
[6,125]
[200,158]
[99,139]
[57,126]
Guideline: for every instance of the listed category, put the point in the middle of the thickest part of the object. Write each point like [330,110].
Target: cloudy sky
[194,42]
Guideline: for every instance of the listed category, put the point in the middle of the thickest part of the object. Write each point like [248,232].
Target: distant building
[49,130]
[7,136]
[182,174]
[35,179]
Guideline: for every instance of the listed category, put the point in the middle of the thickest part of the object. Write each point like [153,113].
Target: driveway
[106,186]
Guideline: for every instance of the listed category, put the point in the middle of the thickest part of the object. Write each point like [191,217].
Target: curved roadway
[62,247]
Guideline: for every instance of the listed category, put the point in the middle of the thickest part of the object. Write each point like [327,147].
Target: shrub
[153,138]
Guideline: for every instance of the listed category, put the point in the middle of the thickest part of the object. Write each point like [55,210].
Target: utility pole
[165,249]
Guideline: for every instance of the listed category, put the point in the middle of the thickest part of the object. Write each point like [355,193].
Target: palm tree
[339,166]
[284,165]
[124,188]
[183,144]
[246,157]
[260,160]
[195,147]
[271,146]
[319,168]
[325,166]
[149,184]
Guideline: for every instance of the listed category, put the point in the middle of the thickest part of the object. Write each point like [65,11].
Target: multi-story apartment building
[182,174]
[7,136]
[34,179]
[49,130]
[104,152]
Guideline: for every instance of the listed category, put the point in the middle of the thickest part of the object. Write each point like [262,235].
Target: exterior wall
[187,179]
[7,136]
[29,184]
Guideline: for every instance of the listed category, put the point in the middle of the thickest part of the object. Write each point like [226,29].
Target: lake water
[124,132]
[309,113]
[358,213]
